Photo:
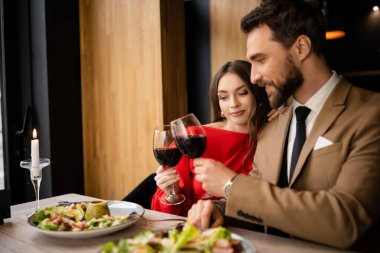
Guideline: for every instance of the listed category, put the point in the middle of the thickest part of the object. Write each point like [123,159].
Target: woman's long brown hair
[260,104]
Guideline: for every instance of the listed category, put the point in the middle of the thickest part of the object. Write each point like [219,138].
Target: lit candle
[35,170]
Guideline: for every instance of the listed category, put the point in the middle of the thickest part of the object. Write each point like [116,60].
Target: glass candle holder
[35,176]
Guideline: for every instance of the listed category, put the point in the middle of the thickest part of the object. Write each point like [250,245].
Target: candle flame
[34,133]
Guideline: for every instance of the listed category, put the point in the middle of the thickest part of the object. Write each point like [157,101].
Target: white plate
[247,245]
[116,208]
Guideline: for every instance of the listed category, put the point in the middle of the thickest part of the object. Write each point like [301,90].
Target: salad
[73,218]
[190,239]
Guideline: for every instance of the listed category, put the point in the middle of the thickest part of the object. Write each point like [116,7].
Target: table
[17,236]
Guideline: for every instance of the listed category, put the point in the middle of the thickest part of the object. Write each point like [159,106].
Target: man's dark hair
[289,19]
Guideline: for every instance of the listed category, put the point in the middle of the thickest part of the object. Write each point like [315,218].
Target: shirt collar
[316,102]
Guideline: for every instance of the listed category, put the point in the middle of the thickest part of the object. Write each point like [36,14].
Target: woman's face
[235,101]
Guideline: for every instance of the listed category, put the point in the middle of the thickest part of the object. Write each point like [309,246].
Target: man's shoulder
[358,93]
[362,100]
[361,93]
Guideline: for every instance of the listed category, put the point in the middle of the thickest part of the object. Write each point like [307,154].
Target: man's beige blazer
[334,195]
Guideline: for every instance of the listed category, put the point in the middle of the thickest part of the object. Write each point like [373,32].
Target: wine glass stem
[172,196]
[36,185]
[173,190]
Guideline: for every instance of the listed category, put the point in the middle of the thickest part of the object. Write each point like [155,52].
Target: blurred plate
[116,207]
[247,245]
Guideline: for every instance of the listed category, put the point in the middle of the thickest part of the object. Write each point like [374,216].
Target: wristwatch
[228,186]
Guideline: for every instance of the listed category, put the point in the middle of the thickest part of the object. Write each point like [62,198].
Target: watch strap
[220,206]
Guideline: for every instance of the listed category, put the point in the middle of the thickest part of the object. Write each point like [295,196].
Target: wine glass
[35,176]
[190,138]
[167,154]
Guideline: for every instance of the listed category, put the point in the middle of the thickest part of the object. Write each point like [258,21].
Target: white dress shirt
[315,104]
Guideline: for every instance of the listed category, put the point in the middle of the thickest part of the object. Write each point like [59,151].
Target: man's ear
[302,47]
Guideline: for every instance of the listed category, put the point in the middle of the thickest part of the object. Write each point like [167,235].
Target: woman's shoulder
[214,127]
[217,125]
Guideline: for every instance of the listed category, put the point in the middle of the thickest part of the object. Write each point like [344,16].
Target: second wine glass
[189,136]
[167,154]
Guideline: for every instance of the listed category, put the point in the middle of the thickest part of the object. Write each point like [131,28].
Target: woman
[238,112]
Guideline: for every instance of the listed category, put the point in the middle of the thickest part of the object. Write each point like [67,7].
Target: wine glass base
[173,200]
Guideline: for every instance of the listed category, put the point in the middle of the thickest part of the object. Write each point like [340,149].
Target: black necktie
[301,115]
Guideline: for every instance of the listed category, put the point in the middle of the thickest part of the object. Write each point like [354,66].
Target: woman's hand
[165,178]
[275,112]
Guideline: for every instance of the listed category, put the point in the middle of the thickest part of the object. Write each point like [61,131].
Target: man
[325,188]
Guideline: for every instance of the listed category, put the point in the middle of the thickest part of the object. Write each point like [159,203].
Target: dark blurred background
[357,54]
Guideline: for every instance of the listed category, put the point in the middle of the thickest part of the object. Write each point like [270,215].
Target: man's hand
[213,175]
[205,214]
[165,178]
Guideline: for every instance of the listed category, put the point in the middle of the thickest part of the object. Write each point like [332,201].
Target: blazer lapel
[333,106]
[278,148]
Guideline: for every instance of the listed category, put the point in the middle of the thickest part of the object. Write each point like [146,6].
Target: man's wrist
[228,185]
[220,206]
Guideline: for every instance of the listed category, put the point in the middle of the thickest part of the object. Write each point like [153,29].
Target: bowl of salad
[79,220]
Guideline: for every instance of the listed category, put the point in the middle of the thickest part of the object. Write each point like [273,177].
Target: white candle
[35,155]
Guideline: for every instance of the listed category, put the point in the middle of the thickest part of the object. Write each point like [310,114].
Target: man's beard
[293,80]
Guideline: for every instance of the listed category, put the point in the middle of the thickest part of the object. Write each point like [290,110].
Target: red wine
[192,146]
[169,156]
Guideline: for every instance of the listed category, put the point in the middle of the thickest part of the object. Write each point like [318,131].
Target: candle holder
[35,176]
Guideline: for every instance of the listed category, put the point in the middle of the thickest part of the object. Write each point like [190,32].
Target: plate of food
[85,219]
[189,239]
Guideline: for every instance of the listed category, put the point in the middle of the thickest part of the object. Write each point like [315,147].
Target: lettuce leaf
[189,232]
[47,224]
[41,215]
[108,247]
[219,233]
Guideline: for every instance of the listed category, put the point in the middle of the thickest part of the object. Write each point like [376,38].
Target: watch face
[227,189]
